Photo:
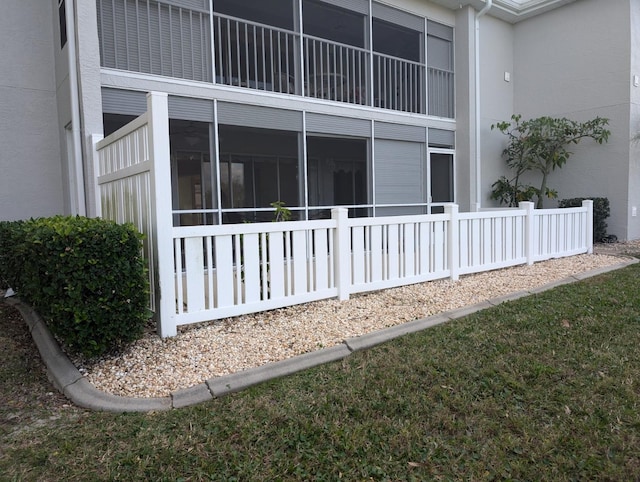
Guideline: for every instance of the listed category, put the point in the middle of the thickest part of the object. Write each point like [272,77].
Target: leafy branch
[540,145]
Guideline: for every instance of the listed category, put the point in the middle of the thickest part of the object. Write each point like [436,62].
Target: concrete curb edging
[69,381]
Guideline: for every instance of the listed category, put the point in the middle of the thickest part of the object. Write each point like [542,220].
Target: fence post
[529,243]
[158,112]
[95,138]
[453,241]
[342,252]
[588,203]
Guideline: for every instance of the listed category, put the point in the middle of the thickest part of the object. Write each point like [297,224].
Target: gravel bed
[155,367]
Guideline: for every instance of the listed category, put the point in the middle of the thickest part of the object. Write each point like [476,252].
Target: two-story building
[382,106]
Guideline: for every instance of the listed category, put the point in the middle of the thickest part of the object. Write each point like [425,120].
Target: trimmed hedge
[85,277]
[601,212]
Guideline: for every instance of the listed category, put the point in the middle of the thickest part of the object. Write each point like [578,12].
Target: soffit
[509,10]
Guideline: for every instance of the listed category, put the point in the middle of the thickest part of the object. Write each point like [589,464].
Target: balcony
[167,39]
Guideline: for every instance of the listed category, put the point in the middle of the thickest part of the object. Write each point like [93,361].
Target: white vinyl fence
[201,273]
[230,270]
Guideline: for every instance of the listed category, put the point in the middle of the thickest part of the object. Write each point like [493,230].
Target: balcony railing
[440,93]
[398,84]
[252,55]
[164,39]
[335,71]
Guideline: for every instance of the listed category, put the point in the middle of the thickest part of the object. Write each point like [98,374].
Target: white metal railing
[228,270]
[440,94]
[335,71]
[253,55]
[398,84]
[175,38]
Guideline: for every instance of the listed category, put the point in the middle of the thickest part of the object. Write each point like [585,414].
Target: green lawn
[544,388]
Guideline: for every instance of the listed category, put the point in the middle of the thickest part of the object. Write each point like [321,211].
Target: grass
[543,388]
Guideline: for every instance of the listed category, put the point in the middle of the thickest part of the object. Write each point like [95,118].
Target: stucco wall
[31,183]
[497,97]
[575,62]
[634,116]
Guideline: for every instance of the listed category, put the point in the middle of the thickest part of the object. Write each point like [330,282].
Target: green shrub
[10,241]
[86,277]
[601,212]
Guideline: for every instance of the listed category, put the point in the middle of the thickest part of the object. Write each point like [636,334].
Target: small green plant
[540,145]
[282,213]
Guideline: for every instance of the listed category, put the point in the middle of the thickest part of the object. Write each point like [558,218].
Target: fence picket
[194,262]
[298,262]
[223,253]
[276,265]
[321,259]
[250,267]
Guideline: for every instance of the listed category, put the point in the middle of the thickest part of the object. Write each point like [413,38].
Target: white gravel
[155,367]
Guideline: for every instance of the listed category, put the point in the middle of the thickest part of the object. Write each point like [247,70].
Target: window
[62,18]
[396,41]
[278,13]
[337,173]
[440,70]
[442,189]
[331,22]
[257,168]
[192,176]
[400,177]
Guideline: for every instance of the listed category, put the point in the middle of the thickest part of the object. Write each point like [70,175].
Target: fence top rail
[123,132]
[510,213]
[395,220]
[251,228]
[545,212]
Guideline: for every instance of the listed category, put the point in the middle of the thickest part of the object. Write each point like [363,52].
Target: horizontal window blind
[360,6]
[400,132]
[438,30]
[258,116]
[187,108]
[126,102]
[330,124]
[399,172]
[441,138]
[398,17]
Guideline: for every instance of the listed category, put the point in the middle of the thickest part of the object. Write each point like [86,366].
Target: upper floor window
[62,18]
[396,40]
[277,13]
[439,46]
[331,22]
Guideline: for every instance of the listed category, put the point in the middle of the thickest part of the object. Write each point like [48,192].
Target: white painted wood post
[529,244]
[453,241]
[158,112]
[589,205]
[342,252]
[95,138]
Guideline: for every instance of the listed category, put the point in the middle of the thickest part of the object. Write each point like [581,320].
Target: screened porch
[356,51]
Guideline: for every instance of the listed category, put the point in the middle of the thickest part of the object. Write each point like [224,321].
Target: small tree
[540,145]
